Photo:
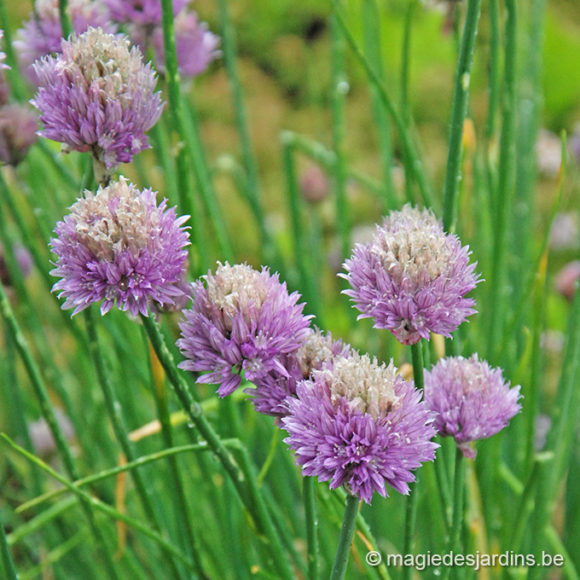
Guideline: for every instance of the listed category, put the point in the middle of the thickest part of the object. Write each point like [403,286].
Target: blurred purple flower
[23,259]
[241,319]
[196,46]
[41,435]
[565,233]
[412,277]
[118,246]
[98,96]
[42,32]
[361,425]
[18,124]
[317,352]
[567,279]
[314,184]
[471,399]
[3,65]
[144,13]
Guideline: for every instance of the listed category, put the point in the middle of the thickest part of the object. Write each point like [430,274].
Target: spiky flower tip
[196,46]
[241,320]
[318,351]
[412,277]
[361,425]
[471,399]
[119,247]
[18,124]
[98,96]
[41,34]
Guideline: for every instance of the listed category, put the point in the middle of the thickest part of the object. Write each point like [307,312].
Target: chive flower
[472,400]
[146,13]
[271,391]
[98,96]
[241,320]
[360,425]
[18,124]
[119,247]
[3,65]
[42,35]
[412,277]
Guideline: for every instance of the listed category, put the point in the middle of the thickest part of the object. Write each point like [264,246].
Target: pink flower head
[98,96]
[241,319]
[119,247]
[361,425]
[412,277]
[471,399]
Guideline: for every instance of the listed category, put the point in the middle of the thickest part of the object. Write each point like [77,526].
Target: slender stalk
[506,178]
[250,163]
[373,45]
[65,22]
[183,514]
[48,414]
[339,89]
[246,487]
[345,538]
[115,414]
[405,62]
[309,493]
[459,112]
[101,506]
[458,489]
[409,149]
[7,561]
[411,507]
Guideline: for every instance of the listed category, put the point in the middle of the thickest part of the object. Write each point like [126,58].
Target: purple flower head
[145,13]
[412,277]
[119,246]
[18,124]
[317,352]
[23,261]
[241,319]
[98,96]
[471,399]
[196,45]
[361,425]
[42,33]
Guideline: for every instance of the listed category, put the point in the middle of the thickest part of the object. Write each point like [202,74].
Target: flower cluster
[271,392]
[118,246]
[41,34]
[471,399]
[241,319]
[196,46]
[412,278]
[18,124]
[361,425]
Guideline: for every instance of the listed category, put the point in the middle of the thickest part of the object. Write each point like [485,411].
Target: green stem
[86,498]
[494,57]
[182,508]
[115,414]
[345,539]
[65,22]
[245,486]
[49,416]
[373,46]
[339,89]
[409,150]
[458,489]
[7,561]
[411,507]
[505,180]
[459,112]
[309,493]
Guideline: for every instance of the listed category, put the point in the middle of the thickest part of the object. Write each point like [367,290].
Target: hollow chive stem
[345,538]
[243,479]
[309,494]
[459,112]
[411,508]
[41,394]
[65,22]
[457,517]
[7,561]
